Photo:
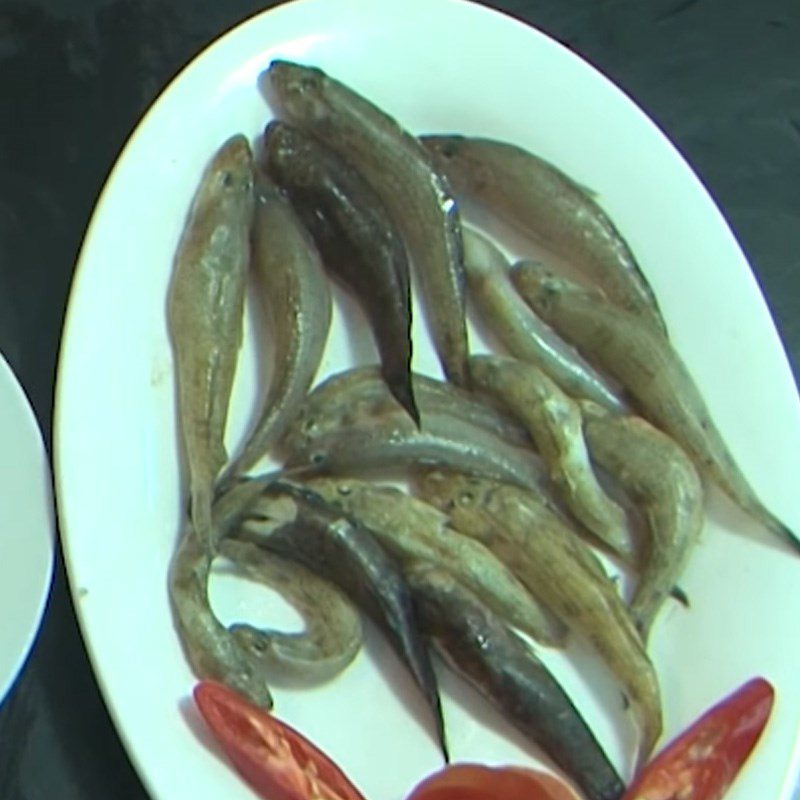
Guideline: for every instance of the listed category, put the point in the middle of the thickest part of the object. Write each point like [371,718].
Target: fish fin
[678,594]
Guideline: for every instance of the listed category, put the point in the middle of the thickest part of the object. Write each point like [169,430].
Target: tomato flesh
[478,782]
[702,762]
[276,760]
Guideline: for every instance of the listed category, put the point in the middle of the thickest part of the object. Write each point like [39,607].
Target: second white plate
[26,527]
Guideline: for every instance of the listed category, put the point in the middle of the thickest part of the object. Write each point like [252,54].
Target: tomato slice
[704,760]
[276,760]
[478,782]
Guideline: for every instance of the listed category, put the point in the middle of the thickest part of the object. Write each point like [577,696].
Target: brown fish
[402,173]
[357,240]
[205,311]
[561,572]
[550,207]
[661,478]
[654,374]
[297,300]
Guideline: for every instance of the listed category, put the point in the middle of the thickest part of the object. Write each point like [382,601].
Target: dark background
[721,78]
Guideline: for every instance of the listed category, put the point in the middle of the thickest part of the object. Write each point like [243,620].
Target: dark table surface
[721,78]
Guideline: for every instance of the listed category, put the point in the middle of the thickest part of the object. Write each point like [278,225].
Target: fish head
[298,90]
[320,424]
[229,176]
[542,288]
[252,639]
[272,511]
[290,155]
[452,492]
[445,148]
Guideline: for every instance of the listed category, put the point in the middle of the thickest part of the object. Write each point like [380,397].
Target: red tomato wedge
[704,760]
[476,782]
[278,762]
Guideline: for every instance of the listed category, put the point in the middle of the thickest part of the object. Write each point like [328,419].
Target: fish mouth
[234,156]
[296,91]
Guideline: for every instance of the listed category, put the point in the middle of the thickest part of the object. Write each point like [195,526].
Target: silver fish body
[555,424]
[521,331]
[205,314]
[348,397]
[391,441]
[212,651]
[294,291]
[662,480]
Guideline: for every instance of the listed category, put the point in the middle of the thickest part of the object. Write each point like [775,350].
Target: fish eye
[318,458]
[465,498]
[227,180]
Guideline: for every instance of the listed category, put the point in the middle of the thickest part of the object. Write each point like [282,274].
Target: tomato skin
[276,760]
[478,782]
[703,761]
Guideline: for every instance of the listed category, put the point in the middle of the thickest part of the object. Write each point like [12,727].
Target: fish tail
[452,349]
[780,529]
[680,595]
[441,733]
[723,471]
[650,726]
[402,391]
[746,499]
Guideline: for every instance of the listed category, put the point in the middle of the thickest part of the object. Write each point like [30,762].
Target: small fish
[652,372]
[561,572]
[212,651]
[294,291]
[298,524]
[391,441]
[551,208]
[205,314]
[521,331]
[507,672]
[555,424]
[347,397]
[414,531]
[357,240]
[400,170]
[331,637]
[663,480]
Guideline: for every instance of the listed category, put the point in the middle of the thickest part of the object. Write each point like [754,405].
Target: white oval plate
[26,527]
[437,65]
